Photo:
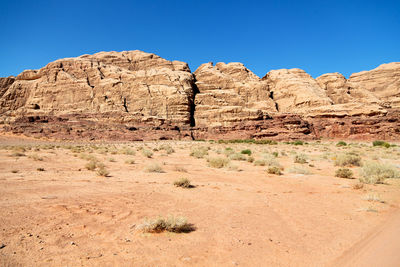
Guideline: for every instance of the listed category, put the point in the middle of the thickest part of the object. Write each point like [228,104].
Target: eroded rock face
[295,91]
[383,82]
[123,86]
[228,94]
[134,95]
[339,89]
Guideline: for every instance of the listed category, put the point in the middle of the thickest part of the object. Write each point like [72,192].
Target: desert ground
[249,204]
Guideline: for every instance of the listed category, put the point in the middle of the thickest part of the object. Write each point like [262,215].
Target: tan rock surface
[229,93]
[133,95]
[383,82]
[340,91]
[294,89]
[124,86]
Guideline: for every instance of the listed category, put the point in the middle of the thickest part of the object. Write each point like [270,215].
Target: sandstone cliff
[230,93]
[130,86]
[133,95]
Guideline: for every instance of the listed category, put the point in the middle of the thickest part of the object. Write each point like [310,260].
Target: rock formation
[134,87]
[228,94]
[294,90]
[133,95]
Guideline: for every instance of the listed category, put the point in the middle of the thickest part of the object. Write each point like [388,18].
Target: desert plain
[248,204]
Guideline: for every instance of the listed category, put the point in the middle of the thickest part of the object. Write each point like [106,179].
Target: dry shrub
[128,151]
[183,182]
[167,148]
[174,224]
[233,167]
[358,186]
[130,161]
[299,170]
[373,198]
[17,154]
[154,167]
[344,173]
[199,152]
[102,171]
[180,169]
[260,162]
[274,170]
[36,157]
[376,173]
[238,156]
[147,153]
[217,162]
[348,159]
[91,165]
[301,158]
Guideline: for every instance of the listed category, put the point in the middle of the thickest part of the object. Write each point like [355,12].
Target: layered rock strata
[133,95]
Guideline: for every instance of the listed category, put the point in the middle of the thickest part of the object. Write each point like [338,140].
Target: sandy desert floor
[56,212]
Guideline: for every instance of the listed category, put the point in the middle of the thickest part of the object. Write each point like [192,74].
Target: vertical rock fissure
[192,104]
[125,105]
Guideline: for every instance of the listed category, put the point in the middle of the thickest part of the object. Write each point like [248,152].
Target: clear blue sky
[317,36]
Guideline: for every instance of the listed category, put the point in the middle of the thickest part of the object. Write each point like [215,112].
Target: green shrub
[348,159]
[217,162]
[376,173]
[344,173]
[341,143]
[378,143]
[183,182]
[298,143]
[246,152]
[275,154]
[248,141]
[274,170]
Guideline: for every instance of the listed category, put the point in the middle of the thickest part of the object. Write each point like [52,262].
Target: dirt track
[379,248]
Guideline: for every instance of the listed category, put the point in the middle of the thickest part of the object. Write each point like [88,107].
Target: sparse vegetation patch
[174,224]
[217,162]
[183,182]
[376,173]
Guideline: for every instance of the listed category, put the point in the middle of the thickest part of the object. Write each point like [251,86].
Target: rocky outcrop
[383,82]
[133,95]
[295,91]
[228,94]
[129,87]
